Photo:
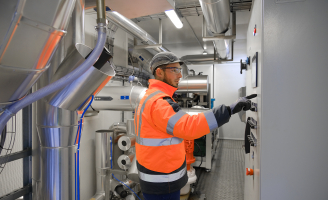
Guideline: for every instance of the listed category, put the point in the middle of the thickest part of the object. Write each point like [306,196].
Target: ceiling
[188,39]
[134,8]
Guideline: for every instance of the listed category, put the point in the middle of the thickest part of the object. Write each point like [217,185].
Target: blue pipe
[59,84]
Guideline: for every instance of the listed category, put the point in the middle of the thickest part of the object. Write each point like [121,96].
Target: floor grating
[226,179]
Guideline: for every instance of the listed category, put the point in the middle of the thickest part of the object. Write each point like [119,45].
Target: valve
[249,172]
[243,66]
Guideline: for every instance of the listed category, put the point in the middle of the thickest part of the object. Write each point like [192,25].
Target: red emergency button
[254,31]
[249,172]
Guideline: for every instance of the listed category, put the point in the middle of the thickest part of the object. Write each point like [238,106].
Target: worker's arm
[168,117]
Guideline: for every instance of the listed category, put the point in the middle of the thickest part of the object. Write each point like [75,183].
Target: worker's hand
[243,103]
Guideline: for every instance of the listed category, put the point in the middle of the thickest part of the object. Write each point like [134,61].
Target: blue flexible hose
[126,186]
[60,83]
[77,161]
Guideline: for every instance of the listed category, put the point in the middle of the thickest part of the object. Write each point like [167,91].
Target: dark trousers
[170,196]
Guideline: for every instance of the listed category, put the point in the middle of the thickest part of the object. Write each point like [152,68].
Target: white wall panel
[227,81]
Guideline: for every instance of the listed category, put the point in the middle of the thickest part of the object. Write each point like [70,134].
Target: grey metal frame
[26,155]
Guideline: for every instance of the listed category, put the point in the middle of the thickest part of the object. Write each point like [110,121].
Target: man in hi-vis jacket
[161,126]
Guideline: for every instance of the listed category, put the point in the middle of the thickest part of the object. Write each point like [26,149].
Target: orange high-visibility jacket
[161,126]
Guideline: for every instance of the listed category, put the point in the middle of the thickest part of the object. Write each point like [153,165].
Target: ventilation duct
[24,26]
[217,16]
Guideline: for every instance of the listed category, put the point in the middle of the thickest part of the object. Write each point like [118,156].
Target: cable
[77,155]
[126,186]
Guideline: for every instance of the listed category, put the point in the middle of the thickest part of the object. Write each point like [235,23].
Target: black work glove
[243,103]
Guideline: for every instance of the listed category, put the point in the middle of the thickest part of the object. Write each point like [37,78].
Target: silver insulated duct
[217,16]
[57,120]
[26,25]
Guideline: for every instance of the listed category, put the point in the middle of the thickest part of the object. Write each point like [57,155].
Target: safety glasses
[175,70]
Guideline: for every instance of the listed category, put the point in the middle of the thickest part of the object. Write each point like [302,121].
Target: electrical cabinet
[287,44]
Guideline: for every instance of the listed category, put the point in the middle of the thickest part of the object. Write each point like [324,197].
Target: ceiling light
[174,18]
[204,53]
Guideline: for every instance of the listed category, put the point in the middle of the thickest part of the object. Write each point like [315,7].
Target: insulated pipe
[14,108]
[125,161]
[217,15]
[194,84]
[126,142]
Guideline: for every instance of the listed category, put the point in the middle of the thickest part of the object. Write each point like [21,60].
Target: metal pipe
[125,161]
[126,142]
[101,13]
[133,171]
[194,84]
[74,95]
[160,38]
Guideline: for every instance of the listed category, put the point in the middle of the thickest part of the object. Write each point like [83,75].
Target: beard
[168,82]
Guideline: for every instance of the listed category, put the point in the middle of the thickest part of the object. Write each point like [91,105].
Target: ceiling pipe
[205,59]
[215,37]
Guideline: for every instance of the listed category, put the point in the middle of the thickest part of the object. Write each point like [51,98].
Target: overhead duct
[217,16]
[24,26]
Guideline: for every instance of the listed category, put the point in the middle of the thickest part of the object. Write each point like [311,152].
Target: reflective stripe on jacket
[161,127]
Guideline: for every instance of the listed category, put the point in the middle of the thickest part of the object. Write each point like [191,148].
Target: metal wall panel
[290,160]
[252,160]
[294,121]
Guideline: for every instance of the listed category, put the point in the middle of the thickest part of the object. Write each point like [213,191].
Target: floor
[226,179]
